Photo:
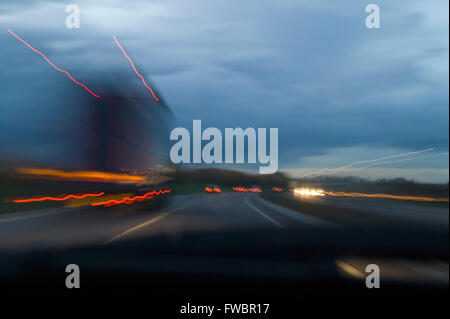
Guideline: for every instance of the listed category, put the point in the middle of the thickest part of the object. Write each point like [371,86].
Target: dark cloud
[311,69]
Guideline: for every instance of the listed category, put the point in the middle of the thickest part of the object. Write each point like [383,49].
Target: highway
[61,228]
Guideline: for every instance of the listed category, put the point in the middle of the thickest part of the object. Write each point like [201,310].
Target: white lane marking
[148,222]
[29,215]
[12,217]
[297,215]
[262,214]
[436,271]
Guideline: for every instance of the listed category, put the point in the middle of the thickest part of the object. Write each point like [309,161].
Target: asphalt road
[412,211]
[71,227]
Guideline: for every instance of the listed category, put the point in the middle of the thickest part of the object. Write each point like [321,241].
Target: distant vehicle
[213,189]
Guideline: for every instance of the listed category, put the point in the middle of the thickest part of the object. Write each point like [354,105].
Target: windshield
[285,144]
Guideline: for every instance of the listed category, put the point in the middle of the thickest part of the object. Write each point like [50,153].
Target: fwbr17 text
[245,308]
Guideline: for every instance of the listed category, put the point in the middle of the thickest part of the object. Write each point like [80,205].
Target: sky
[337,91]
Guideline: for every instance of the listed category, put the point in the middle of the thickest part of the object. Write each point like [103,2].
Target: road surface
[71,227]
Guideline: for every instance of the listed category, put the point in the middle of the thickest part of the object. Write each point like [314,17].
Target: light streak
[349,269]
[41,199]
[134,68]
[327,171]
[277,189]
[82,175]
[243,189]
[131,200]
[399,161]
[309,192]
[51,63]
[388,196]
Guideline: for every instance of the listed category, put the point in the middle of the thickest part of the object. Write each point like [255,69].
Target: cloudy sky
[337,91]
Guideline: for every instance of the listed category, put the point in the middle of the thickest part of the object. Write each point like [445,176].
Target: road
[412,211]
[70,227]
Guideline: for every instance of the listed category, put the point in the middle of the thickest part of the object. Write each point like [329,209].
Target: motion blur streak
[334,170]
[128,200]
[350,270]
[132,65]
[149,222]
[57,198]
[277,189]
[400,197]
[82,175]
[308,192]
[399,161]
[243,189]
[50,62]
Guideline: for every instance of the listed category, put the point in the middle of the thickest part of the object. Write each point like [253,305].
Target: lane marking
[299,216]
[144,224]
[17,216]
[434,271]
[262,214]
[32,214]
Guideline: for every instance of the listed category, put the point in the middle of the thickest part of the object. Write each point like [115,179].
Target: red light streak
[243,189]
[50,62]
[214,189]
[27,200]
[134,68]
[277,189]
[128,200]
